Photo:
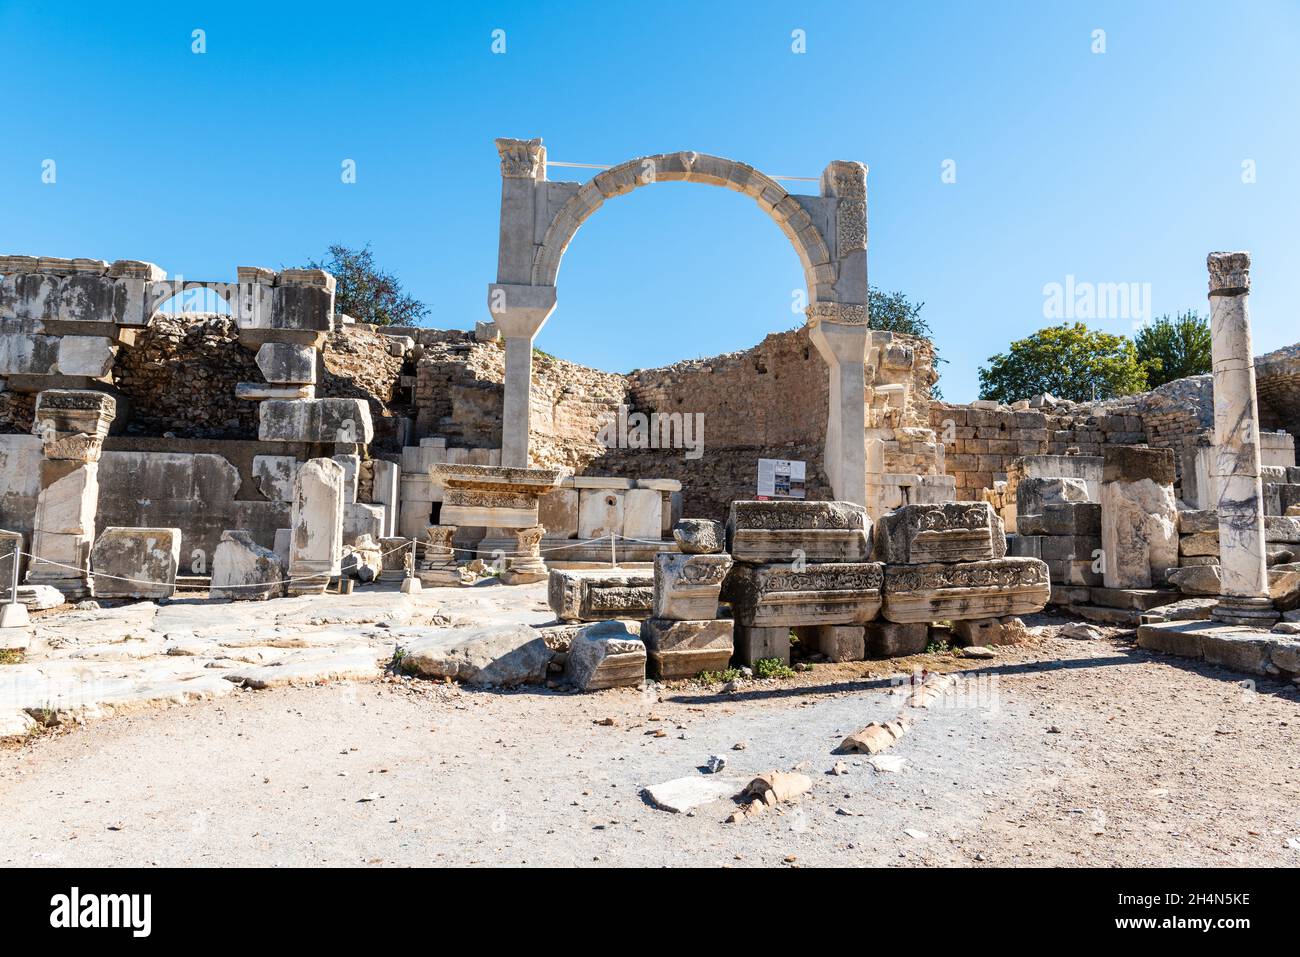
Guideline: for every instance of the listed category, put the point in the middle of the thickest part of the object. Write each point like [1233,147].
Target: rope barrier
[409,543]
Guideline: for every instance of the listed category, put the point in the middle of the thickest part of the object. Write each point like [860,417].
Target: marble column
[519,312]
[72,424]
[1235,462]
[527,565]
[316,526]
[844,347]
[439,567]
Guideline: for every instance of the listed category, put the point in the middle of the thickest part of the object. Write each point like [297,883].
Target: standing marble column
[316,526]
[844,347]
[72,424]
[519,312]
[1235,465]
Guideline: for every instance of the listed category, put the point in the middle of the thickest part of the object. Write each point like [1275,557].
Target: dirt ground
[1061,752]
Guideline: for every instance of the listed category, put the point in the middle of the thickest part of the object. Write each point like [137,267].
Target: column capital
[1229,273]
[844,179]
[522,159]
[520,310]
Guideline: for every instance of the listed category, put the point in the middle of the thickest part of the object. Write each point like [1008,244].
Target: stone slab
[989,589]
[833,593]
[682,649]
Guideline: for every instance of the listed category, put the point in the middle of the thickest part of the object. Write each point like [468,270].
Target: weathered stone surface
[833,593]
[1063,518]
[362,560]
[699,536]
[989,632]
[502,655]
[842,642]
[285,362]
[950,532]
[888,639]
[814,531]
[1034,494]
[1199,544]
[1191,521]
[686,587]
[316,534]
[991,589]
[136,562]
[40,597]
[242,570]
[686,794]
[1139,529]
[642,514]
[491,496]
[600,512]
[754,643]
[682,649]
[1282,528]
[274,476]
[608,654]
[344,421]
[1136,463]
[600,594]
[557,512]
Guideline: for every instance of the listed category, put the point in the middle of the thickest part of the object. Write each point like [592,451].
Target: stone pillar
[72,425]
[1139,516]
[1235,464]
[316,526]
[519,312]
[527,565]
[844,347]
[439,565]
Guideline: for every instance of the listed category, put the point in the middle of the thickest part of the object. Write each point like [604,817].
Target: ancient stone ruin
[280,449]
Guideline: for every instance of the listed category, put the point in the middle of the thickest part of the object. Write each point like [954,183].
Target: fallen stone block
[40,597]
[778,787]
[699,536]
[990,631]
[15,725]
[136,562]
[784,595]
[875,737]
[781,531]
[682,649]
[681,795]
[243,570]
[686,587]
[608,654]
[502,655]
[600,594]
[991,589]
[947,532]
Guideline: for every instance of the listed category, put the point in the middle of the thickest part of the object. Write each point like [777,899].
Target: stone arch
[828,231]
[689,167]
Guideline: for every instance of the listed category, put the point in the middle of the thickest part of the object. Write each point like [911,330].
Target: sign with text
[780,478]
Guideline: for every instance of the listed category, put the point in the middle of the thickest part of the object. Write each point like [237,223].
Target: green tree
[1070,361]
[367,293]
[1175,348]
[894,312]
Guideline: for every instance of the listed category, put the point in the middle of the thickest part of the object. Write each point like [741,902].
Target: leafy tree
[894,312]
[1070,361]
[1175,348]
[365,292]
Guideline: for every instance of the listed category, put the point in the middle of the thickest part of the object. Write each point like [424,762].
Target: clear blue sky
[1124,166]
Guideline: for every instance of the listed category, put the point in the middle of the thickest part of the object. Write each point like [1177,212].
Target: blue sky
[1117,167]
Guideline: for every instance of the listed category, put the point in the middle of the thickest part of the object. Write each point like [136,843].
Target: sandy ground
[1057,753]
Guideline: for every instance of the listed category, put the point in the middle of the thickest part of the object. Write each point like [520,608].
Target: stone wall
[1277,382]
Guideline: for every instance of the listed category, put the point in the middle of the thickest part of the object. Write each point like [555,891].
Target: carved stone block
[786,596]
[987,589]
[818,531]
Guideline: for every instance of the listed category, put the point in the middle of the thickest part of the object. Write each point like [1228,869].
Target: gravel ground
[1056,753]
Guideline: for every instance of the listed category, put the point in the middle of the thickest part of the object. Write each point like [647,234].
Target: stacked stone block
[798,565]
[684,635]
[948,563]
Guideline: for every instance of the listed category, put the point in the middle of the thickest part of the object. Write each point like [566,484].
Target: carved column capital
[522,159]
